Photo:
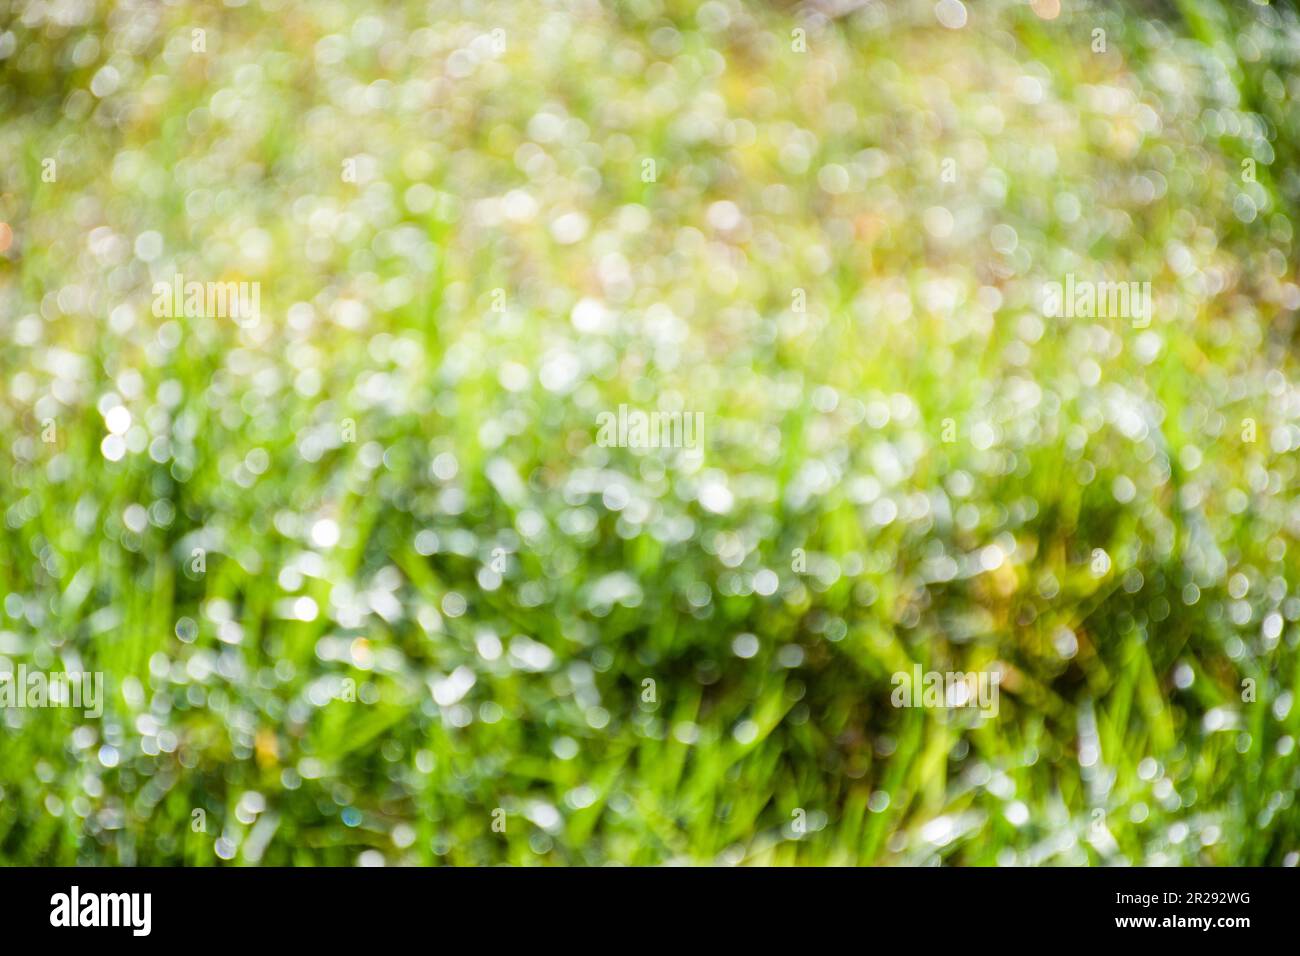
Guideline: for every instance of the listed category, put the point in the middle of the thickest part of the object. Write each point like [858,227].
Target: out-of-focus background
[366,588]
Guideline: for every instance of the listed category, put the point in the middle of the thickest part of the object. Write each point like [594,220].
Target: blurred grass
[825,428]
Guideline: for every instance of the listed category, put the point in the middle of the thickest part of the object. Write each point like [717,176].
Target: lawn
[365,583]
